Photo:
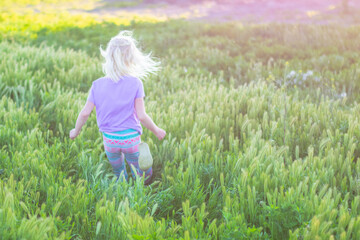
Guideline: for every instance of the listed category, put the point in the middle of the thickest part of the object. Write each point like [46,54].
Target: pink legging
[124,144]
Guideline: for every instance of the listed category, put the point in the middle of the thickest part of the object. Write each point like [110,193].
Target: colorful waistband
[121,135]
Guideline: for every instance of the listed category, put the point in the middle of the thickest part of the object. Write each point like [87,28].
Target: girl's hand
[73,134]
[160,133]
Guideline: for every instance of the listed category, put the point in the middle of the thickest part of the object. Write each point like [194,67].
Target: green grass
[261,144]
[122,4]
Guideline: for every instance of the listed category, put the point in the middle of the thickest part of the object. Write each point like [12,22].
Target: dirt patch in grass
[247,11]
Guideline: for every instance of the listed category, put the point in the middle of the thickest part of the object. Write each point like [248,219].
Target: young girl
[119,101]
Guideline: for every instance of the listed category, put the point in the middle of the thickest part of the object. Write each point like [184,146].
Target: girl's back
[114,103]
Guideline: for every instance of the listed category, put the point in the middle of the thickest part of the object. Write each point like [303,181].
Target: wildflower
[287,63]
[291,74]
[343,94]
[333,86]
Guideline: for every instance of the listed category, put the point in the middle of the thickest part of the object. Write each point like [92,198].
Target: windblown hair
[123,58]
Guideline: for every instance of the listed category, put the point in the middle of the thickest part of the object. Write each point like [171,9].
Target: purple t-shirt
[115,103]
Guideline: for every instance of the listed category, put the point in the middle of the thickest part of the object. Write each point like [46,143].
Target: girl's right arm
[146,120]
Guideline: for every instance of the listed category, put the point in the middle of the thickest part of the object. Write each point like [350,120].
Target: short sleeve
[140,92]
[91,97]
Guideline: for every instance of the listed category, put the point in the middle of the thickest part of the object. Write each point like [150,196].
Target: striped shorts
[124,145]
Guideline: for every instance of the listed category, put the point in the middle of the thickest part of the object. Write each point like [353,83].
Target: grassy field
[262,121]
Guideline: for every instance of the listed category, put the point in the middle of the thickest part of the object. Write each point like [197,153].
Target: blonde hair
[123,58]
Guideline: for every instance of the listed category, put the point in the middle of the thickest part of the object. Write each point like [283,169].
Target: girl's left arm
[82,118]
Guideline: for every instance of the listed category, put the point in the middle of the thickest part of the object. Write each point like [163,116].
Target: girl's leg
[116,158]
[132,158]
[117,162]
